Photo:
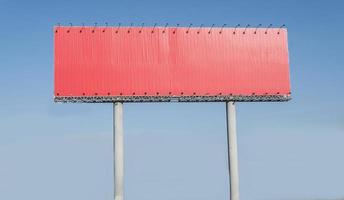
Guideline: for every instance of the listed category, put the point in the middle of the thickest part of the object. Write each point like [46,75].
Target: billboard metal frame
[138,99]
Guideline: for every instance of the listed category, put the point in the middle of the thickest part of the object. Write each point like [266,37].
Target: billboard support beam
[232,150]
[118,143]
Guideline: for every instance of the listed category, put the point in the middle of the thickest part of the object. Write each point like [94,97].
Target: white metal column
[118,150]
[232,151]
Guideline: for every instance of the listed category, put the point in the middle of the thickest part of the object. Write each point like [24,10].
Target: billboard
[135,64]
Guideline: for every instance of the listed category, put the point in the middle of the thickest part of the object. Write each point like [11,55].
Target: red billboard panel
[106,64]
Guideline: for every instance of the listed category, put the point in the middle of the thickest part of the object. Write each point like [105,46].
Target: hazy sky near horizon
[290,150]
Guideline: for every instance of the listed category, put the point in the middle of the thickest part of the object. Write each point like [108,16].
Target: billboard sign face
[134,64]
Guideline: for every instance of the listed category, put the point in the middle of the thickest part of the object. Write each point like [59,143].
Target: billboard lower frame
[220,98]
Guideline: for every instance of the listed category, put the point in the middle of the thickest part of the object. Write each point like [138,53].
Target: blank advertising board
[134,64]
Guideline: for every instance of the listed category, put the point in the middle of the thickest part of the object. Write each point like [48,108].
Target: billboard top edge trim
[175,27]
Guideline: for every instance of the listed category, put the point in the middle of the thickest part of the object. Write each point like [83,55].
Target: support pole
[118,150]
[232,151]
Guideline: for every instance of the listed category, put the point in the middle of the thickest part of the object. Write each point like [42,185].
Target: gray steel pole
[118,150]
[232,151]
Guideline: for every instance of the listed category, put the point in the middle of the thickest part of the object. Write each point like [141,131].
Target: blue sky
[290,150]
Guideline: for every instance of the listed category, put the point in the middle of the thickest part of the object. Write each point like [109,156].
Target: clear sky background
[287,151]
